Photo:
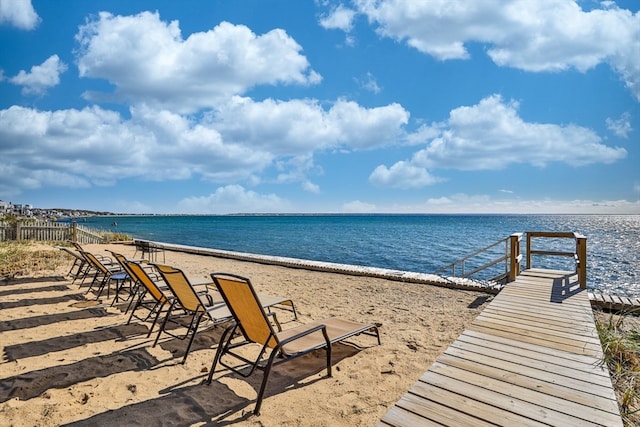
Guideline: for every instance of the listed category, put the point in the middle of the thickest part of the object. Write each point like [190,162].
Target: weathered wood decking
[532,357]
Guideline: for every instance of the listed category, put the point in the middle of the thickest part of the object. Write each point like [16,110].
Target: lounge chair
[151,294]
[253,323]
[135,285]
[79,263]
[196,306]
[105,274]
[88,267]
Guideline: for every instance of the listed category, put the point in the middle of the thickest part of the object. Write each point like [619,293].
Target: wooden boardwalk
[532,357]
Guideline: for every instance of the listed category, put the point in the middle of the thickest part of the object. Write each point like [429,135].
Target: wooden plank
[543,354]
[553,384]
[501,400]
[525,360]
[439,413]
[480,413]
[538,333]
[564,410]
[533,340]
[580,328]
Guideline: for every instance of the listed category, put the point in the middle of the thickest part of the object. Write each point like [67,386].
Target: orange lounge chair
[195,306]
[253,323]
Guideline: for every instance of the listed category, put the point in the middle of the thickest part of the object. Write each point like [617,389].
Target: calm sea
[418,243]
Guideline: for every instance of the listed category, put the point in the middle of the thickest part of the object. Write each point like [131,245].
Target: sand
[71,360]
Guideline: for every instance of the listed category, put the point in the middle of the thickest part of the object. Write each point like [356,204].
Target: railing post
[581,252]
[528,251]
[514,259]
[74,231]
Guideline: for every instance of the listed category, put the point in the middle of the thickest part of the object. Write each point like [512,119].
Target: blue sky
[385,106]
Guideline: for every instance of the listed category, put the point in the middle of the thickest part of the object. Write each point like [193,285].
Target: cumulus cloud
[402,175]
[233,199]
[490,136]
[339,18]
[544,35]
[299,126]
[235,143]
[41,77]
[149,61]
[19,13]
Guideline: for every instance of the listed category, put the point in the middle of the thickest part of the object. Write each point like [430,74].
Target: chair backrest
[245,306]
[140,274]
[122,260]
[180,287]
[72,253]
[95,262]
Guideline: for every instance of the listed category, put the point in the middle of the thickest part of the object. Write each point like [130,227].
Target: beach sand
[69,360]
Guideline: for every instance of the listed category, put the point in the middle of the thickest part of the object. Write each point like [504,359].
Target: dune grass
[26,258]
[620,337]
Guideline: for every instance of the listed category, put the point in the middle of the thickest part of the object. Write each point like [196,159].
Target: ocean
[417,243]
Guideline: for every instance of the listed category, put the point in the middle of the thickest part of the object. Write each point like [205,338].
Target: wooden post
[74,231]
[528,250]
[581,252]
[514,259]
[19,229]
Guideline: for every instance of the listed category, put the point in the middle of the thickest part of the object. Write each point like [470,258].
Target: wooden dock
[532,357]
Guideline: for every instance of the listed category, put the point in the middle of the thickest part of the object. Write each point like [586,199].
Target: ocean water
[418,243]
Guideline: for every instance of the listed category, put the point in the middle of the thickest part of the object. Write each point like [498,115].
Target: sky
[364,106]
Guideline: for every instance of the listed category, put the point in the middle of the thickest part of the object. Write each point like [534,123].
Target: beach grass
[620,337]
[27,258]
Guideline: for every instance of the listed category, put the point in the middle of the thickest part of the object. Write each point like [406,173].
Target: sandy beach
[71,360]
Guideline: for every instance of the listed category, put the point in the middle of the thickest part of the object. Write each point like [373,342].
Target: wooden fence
[48,231]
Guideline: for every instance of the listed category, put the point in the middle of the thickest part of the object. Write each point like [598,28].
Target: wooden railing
[579,254]
[512,257]
[47,231]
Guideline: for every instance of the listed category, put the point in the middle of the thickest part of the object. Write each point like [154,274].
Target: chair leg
[265,378]
[155,320]
[222,344]
[164,323]
[193,335]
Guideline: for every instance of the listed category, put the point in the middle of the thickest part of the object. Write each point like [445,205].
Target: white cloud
[491,136]
[310,187]
[19,13]
[149,61]
[481,203]
[236,143]
[339,18]
[298,127]
[369,83]
[543,35]
[621,127]
[233,199]
[402,175]
[41,77]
